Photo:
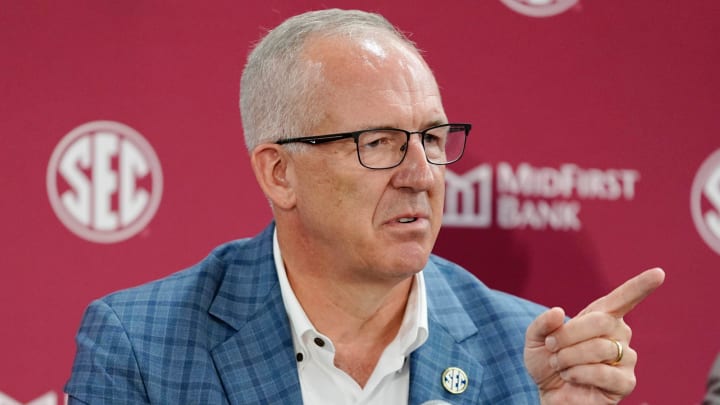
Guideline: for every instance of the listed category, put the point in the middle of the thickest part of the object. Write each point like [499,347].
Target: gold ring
[620,353]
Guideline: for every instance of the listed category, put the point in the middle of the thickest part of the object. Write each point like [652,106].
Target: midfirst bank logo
[529,197]
[705,201]
[540,8]
[104,181]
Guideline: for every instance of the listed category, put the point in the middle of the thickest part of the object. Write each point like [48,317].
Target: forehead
[347,58]
[373,78]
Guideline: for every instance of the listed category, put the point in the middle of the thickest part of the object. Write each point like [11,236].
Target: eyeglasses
[385,148]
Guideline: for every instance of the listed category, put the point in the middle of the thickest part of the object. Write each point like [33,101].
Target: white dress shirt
[323,383]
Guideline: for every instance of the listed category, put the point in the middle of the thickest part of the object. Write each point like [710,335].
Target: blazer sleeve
[105,370]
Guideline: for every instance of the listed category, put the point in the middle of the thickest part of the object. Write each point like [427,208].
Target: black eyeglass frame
[320,139]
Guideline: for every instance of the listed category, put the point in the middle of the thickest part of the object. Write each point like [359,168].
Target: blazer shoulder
[191,292]
[190,284]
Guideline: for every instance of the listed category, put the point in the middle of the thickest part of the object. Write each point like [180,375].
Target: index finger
[625,297]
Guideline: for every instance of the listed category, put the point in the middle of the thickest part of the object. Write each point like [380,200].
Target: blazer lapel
[448,325]
[257,363]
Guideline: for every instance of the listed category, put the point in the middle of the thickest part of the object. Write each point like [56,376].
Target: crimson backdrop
[619,98]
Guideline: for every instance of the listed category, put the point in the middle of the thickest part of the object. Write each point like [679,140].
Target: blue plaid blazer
[217,333]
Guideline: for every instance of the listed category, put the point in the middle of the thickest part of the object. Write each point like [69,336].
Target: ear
[273,170]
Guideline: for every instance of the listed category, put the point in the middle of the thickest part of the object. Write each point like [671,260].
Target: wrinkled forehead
[342,59]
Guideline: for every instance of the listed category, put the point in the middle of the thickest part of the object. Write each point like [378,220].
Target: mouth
[409,217]
[407,220]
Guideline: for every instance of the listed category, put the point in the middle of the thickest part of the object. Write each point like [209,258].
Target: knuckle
[602,321]
[628,331]
[631,355]
[628,384]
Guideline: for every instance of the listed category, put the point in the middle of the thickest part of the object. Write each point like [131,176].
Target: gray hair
[278,97]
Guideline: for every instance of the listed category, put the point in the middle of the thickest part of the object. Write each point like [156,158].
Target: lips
[406,214]
[407,220]
[408,217]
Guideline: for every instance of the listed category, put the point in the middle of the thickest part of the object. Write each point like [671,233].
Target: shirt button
[319,342]
[299,357]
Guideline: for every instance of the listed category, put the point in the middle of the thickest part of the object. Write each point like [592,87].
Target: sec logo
[539,8]
[104,181]
[705,201]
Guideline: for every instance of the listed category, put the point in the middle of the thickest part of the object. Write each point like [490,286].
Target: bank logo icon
[468,198]
[540,8]
[104,181]
[705,201]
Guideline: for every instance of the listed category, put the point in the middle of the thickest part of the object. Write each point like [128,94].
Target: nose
[415,172]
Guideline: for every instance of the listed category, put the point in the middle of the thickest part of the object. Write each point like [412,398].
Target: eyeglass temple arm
[314,140]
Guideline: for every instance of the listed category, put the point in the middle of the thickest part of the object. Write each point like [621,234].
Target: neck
[370,310]
[329,287]
[359,309]
[370,316]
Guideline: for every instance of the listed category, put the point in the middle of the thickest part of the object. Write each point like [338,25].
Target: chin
[411,261]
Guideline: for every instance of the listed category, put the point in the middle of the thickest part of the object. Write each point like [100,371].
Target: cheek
[438,189]
[437,198]
[358,195]
[311,187]
[338,194]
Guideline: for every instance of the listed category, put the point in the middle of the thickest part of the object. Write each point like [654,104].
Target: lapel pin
[454,380]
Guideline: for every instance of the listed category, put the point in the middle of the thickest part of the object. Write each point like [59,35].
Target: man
[712,396]
[340,301]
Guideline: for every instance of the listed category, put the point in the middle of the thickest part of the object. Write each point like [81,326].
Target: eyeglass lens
[387,147]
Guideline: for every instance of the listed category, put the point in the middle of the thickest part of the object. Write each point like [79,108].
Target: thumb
[545,324]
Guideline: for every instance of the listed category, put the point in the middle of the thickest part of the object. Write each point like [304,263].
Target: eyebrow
[428,124]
